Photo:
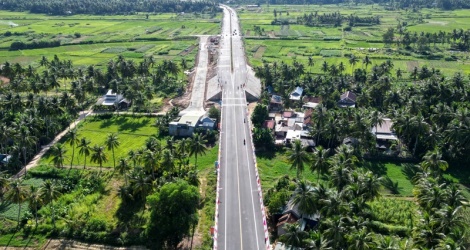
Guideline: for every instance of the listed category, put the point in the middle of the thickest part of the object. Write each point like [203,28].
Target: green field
[87,39]
[271,168]
[303,42]
[132,133]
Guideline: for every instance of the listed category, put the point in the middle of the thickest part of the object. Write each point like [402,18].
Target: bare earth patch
[411,65]
[259,52]
[54,244]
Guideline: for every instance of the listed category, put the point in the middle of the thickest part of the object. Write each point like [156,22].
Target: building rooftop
[384,131]
[189,119]
[296,94]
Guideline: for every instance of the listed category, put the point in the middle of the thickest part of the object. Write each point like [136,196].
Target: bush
[96,225]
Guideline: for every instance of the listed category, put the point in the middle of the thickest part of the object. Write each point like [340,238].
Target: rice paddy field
[333,44]
[95,40]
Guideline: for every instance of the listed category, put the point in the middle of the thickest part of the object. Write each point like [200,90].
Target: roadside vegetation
[117,205]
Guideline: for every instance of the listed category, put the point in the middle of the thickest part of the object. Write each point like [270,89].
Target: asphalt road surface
[240,221]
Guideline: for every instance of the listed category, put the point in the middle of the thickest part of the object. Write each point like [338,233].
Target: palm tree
[35,200]
[304,198]
[325,67]
[49,192]
[123,167]
[311,63]
[298,157]
[320,161]
[377,119]
[167,161]
[361,240]
[73,140]
[58,155]
[420,127]
[352,61]
[85,149]
[98,155]
[366,61]
[16,194]
[294,237]
[133,156]
[141,185]
[433,162]
[151,161]
[112,142]
[197,146]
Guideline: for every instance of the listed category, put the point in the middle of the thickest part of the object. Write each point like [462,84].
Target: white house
[188,123]
[296,94]
[384,131]
[111,99]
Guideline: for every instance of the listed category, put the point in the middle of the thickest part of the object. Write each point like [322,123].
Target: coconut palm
[85,149]
[112,142]
[58,155]
[353,61]
[433,162]
[35,200]
[311,63]
[298,157]
[167,161]
[370,185]
[16,193]
[377,119]
[72,139]
[294,238]
[197,146]
[123,167]
[141,185]
[98,155]
[361,240]
[49,192]
[133,156]
[151,161]
[366,61]
[320,162]
[420,127]
[325,67]
[304,198]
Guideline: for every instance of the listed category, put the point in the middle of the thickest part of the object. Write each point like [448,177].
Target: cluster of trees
[107,7]
[341,202]
[427,114]
[139,83]
[30,120]
[457,39]
[157,177]
[30,116]
[14,191]
[34,45]
[336,19]
[161,176]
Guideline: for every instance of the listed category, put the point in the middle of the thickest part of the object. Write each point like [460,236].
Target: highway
[240,218]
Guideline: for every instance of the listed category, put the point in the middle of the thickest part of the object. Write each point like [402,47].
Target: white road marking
[251,185]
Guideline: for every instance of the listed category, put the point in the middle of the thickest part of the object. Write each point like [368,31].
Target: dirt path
[61,244]
[44,149]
